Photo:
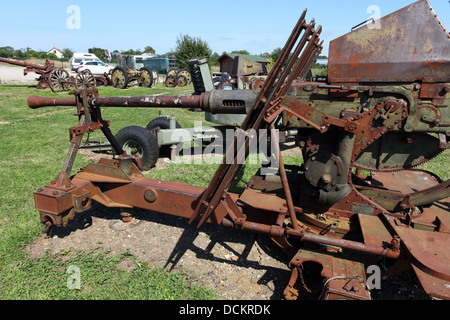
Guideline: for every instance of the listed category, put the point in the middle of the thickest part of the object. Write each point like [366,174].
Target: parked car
[96,67]
[77,58]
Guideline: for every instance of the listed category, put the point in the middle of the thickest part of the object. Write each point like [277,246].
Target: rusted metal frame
[342,278]
[107,183]
[76,134]
[28,65]
[104,127]
[389,200]
[278,67]
[279,91]
[287,71]
[392,200]
[226,173]
[363,138]
[315,118]
[430,195]
[343,243]
[208,204]
[302,67]
[306,58]
[284,180]
[35,102]
[412,102]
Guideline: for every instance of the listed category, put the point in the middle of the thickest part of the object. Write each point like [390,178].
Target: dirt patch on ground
[236,265]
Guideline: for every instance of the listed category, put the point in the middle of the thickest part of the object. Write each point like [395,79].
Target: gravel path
[14,75]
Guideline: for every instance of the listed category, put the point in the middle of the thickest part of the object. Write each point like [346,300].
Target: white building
[57,52]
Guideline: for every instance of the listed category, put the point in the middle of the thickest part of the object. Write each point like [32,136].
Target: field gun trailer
[356,200]
[58,79]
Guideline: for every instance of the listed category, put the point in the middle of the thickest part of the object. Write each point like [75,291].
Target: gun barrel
[215,102]
[22,63]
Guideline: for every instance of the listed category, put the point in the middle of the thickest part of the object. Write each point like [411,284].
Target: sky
[256,26]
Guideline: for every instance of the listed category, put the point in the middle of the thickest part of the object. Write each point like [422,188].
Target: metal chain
[300,273]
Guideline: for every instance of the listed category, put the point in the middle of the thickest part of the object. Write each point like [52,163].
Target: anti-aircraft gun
[355,200]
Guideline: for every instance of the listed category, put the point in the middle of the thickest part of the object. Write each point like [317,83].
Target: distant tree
[132,52]
[35,55]
[190,48]
[275,54]
[149,49]
[99,52]
[6,52]
[20,54]
[68,53]
[30,52]
[241,52]
[213,59]
[265,55]
[52,56]
[43,55]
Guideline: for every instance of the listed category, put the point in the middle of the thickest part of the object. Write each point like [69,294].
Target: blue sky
[256,26]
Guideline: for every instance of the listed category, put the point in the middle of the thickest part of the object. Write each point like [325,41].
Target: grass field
[33,145]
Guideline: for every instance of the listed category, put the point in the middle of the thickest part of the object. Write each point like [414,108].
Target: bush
[52,56]
[190,48]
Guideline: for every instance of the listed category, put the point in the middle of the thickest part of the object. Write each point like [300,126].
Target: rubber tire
[151,76]
[189,79]
[155,76]
[124,86]
[171,82]
[162,123]
[146,141]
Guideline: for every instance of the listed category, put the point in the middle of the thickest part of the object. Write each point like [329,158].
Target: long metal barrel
[215,102]
[22,63]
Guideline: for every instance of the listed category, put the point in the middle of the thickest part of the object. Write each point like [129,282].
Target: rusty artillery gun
[58,79]
[356,199]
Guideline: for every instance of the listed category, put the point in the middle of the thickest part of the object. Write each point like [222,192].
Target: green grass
[101,278]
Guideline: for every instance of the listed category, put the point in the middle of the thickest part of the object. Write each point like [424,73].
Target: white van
[77,58]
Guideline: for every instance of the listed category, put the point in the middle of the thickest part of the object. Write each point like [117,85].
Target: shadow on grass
[217,235]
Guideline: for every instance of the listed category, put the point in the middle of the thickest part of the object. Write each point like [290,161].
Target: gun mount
[327,213]
[44,71]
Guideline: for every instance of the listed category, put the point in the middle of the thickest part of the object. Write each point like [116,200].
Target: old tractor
[357,198]
[125,74]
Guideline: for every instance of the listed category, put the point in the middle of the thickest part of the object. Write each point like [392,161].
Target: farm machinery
[356,199]
[178,78]
[125,74]
[58,79]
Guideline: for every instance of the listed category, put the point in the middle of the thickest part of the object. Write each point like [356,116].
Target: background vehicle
[96,67]
[77,58]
